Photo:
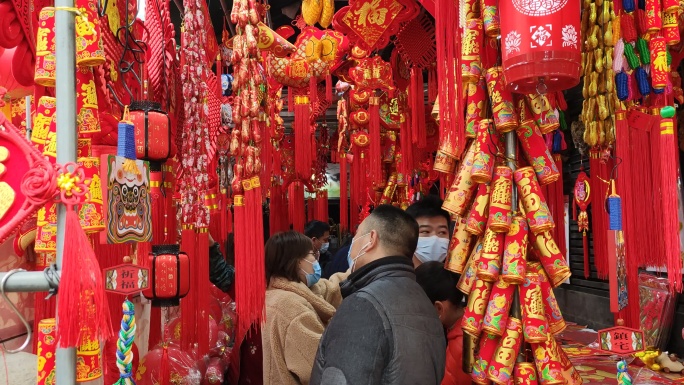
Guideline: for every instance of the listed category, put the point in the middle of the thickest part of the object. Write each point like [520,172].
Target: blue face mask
[312,278]
[324,247]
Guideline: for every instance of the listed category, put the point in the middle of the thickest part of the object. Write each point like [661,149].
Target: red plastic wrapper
[553,313]
[515,251]
[469,275]
[460,246]
[536,210]
[548,362]
[537,153]
[471,65]
[489,265]
[181,367]
[500,300]
[554,263]
[545,115]
[485,352]
[535,327]
[460,193]
[477,218]
[477,104]
[525,373]
[502,363]
[473,317]
[500,214]
[488,142]
[503,109]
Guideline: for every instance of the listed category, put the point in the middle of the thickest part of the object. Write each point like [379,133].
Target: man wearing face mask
[386,331]
[319,232]
[433,230]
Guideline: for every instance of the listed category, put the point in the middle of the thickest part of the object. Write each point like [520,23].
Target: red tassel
[82,305]
[559,214]
[406,150]
[189,304]
[310,208]
[303,137]
[313,89]
[418,108]
[203,301]
[344,202]
[375,150]
[585,244]
[668,183]
[297,209]
[433,87]
[164,367]
[328,88]
[599,216]
[290,99]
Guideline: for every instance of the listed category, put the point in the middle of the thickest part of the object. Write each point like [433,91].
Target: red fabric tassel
[406,150]
[296,206]
[313,90]
[203,287]
[81,304]
[328,88]
[344,200]
[164,367]
[668,182]
[433,86]
[599,223]
[585,244]
[303,137]
[559,207]
[189,304]
[290,99]
[375,151]
[310,208]
[419,134]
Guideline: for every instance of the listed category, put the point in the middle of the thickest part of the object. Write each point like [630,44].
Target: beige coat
[295,319]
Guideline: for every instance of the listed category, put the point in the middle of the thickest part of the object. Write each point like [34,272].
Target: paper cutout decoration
[127,200]
[621,340]
[17,157]
[126,279]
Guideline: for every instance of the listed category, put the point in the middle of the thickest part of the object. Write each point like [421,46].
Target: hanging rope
[124,346]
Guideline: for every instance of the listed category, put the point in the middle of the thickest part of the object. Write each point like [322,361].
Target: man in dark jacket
[386,331]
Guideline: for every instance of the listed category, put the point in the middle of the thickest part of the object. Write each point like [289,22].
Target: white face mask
[432,248]
[324,247]
[352,261]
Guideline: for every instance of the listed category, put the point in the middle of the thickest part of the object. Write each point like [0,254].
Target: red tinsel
[599,217]
[406,150]
[417,96]
[296,206]
[669,192]
[344,202]
[303,137]
[189,304]
[203,287]
[375,151]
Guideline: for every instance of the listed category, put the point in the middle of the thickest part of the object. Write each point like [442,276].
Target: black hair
[430,206]
[316,229]
[282,254]
[439,283]
[397,230]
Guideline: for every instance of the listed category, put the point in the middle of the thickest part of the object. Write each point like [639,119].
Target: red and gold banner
[525,373]
[543,113]
[45,350]
[553,313]
[91,212]
[537,153]
[489,265]
[503,109]
[471,48]
[500,300]
[459,248]
[473,317]
[552,260]
[469,276]
[486,347]
[477,103]
[488,142]
[501,366]
[548,361]
[659,69]
[44,123]
[458,198]
[535,327]
[477,218]
[515,251]
[88,118]
[536,210]
[89,47]
[500,200]
[45,48]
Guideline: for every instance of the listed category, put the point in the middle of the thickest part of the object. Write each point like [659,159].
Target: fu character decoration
[581,200]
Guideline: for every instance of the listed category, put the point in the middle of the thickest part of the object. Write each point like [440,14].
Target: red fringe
[668,182]
[375,151]
[406,150]
[313,90]
[559,207]
[303,139]
[417,95]
[310,210]
[203,287]
[344,202]
[164,367]
[81,276]
[328,88]
[189,304]
[658,206]
[296,206]
[433,85]
[599,216]
[278,214]
[290,99]
[585,244]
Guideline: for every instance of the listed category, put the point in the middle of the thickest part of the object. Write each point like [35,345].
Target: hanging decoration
[581,200]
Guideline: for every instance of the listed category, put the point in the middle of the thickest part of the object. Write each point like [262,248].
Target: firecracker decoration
[124,345]
[581,200]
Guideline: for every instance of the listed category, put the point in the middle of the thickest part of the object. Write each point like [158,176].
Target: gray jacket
[385,332]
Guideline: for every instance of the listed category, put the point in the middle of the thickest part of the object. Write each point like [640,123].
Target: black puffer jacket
[385,332]
[221,274]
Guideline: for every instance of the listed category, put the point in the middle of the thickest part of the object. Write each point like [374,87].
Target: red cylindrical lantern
[489,265]
[670,28]
[485,352]
[502,363]
[552,260]
[543,113]
[89,47]
[500,300]
[488,142]
[45,48]
[551,309]
[44,121]
[458,197]
[444,163]
[659,68]
[88,118]
[490,18]
[477,218]
[499,219]
[169,275]
[537,153]
[89,359]
[459,248]
[152,131]
[471,65]
[653,18]
[535,327]
[469,276]
[548,361]
[503,109]
[473,317]
[45,350]
[525,373]
[477,103]
[536,210]
[540,44]
[46,233]
[91,212]
[515,251]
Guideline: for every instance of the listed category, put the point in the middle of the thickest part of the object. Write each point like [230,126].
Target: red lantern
[152,131]
[169,275]
[541,44]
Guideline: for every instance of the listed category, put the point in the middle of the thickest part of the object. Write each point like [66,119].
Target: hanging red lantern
[152,131]
[169,275]
[541,44]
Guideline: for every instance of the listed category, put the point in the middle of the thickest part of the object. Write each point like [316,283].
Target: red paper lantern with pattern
[152,131]
[169,275]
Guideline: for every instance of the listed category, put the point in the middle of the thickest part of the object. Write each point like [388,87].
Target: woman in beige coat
[298,307]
